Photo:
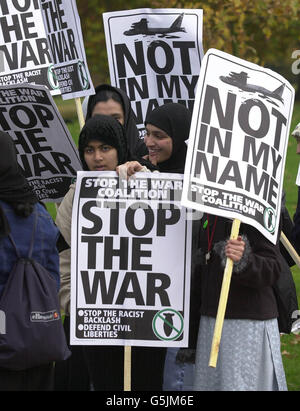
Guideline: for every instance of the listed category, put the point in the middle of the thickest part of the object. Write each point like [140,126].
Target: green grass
[290,343]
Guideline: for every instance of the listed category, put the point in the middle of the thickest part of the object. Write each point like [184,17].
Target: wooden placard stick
[81,122]
[225,290]
[223,300]
[293,253]
[79,112]
[127,368]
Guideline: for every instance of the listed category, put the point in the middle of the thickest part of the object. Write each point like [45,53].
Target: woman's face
[110,108]
[159,144]
[100,156]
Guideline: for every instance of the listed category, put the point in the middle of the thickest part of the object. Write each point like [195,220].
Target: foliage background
[266,32]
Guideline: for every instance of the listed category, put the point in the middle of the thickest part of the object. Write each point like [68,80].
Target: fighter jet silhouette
[141,27]
[240,80]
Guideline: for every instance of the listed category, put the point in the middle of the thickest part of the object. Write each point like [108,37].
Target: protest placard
[24,52]
[154,56]
[131,259]
[238,142]
[45,149]
[298,176]
[66,47]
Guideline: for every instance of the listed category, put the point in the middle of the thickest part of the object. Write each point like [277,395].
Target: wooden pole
[223,300]
[127,368]
[79,112]
[290,248]
[225,290]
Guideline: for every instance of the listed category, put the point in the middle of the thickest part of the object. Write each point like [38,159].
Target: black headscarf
[104,92]
[106,129]
[175,120]
[14,188]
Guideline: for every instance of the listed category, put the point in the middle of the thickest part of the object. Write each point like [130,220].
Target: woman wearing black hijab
[113,101]
[167,129]
[19,209]
[102,146]
[14,188]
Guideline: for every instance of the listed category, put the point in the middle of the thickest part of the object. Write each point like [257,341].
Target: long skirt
[249,357]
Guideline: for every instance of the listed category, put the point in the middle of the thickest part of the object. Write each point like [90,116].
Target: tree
[90,12]
[265,32]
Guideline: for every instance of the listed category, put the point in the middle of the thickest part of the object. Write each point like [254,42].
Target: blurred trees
[90,12]
[266,32]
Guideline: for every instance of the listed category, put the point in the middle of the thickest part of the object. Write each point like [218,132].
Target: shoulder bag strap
[32,239]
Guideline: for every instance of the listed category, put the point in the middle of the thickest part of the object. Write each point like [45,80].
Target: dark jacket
[251,295]
[44,250]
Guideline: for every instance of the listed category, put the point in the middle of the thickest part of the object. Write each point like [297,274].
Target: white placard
[24,52]
[154,56]
[238,142]
[45,149]
[63,30]
[131,261]
[298,177]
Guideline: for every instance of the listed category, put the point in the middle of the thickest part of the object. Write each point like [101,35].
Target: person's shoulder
[42,211]
[46,221]
[70,194]
[72,186]
[66,205]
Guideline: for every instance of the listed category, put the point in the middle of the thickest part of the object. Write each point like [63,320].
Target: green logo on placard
[53,81]
[168,324]
[83,75]
[270,219]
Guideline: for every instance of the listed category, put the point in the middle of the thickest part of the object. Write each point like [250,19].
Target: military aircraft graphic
[141,27]
[240,80]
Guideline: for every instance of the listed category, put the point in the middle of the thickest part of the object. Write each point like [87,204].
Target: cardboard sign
[238,142]
[154,56]
[131,260]
[24,53]
[45,149]
[298,177]
[66,47]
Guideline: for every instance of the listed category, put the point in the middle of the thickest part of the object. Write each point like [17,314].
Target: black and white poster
[66,47]
[45,149]
[298,176]
[154,56]
[24,52]
[131,260]
[238,142]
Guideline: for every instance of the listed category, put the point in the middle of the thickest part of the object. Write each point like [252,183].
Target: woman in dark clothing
[167,129]
[102,147]
[113,101]
[251,305]
[19,210]
[249,356]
